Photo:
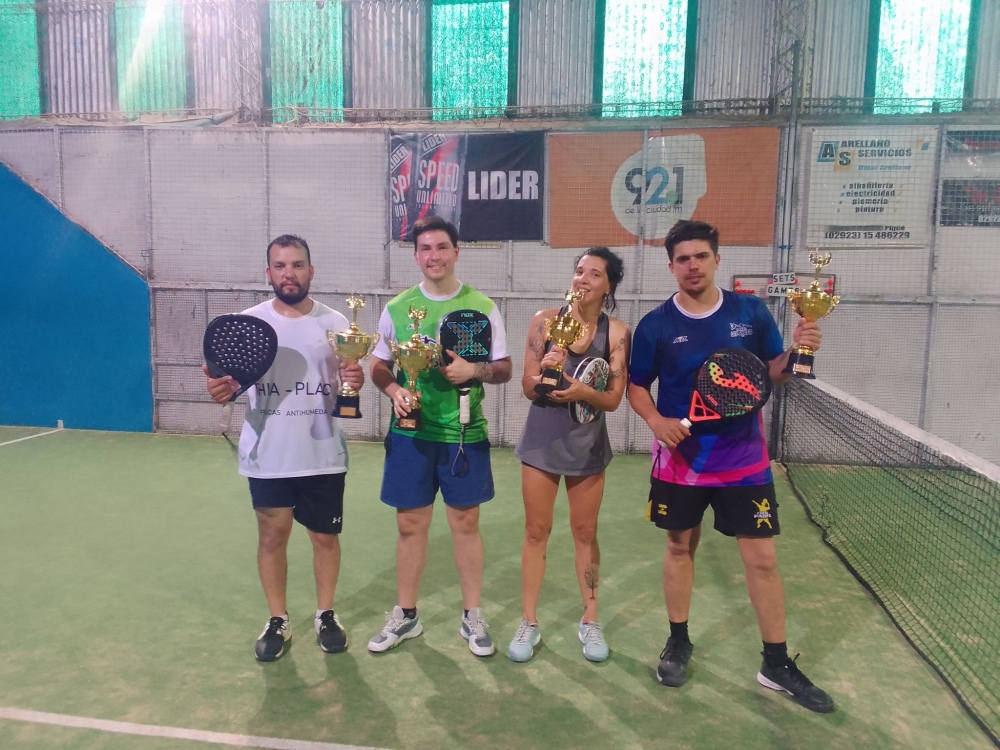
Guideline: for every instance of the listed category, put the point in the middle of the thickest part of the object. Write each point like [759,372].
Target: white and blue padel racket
[595,372]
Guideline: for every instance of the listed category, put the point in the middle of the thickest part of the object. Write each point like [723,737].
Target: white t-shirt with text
[288,430]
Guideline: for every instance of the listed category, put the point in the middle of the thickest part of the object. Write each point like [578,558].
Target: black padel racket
[730,384]
[242,347]
[469,334]
[592,371]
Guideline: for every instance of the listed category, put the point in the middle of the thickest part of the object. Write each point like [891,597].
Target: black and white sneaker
[330,634]
[672,669]
[271,643]
[789,678]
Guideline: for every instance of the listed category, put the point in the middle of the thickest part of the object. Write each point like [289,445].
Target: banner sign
[613,188]
[489,186]
[970,203]
[970,179]
[870,186]
[972,142]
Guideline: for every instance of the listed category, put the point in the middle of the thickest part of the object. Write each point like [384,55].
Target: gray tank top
[553,442]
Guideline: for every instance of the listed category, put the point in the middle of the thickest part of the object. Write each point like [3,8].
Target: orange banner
[608,188]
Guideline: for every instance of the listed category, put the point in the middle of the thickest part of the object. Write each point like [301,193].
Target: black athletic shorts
[739,511]
[317,501]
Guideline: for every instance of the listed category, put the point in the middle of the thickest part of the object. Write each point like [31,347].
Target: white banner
[871,186]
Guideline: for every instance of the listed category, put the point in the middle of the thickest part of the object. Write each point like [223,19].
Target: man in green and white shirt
[439,455]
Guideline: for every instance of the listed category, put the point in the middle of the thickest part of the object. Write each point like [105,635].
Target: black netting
[916,521]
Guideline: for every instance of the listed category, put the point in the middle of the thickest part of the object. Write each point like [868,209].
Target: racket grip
[463,407]
[226,418]
[686,422]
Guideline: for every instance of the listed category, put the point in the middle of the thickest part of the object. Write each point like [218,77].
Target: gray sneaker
[398,628]
[474,630]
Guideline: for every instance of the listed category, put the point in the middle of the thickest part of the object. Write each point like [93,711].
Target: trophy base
[800,365]
[411,421]
[347,407]
[552,380]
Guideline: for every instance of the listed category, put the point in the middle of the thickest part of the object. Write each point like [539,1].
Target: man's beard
[291,298]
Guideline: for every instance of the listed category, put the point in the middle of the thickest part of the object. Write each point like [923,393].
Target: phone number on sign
[841,235]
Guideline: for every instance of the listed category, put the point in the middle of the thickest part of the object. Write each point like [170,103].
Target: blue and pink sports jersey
[670,345]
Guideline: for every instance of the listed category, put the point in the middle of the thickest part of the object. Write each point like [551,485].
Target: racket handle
[686,422]
[226,418]
[463,406]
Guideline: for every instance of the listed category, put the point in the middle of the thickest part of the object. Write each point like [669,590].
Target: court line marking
[31,437]
[177,733]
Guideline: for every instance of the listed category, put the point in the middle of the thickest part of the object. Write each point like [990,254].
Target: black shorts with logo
[739,511]
[317,501]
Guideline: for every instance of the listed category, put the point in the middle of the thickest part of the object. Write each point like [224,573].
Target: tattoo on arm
[591,578]
[495,373]
[537,341]
[618,370]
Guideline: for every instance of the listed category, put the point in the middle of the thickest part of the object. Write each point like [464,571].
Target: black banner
[504,186]
[972,142]
[489,186]
[970,203]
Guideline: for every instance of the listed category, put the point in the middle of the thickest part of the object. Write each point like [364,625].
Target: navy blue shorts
[416,469]
[739,511]
[317,501]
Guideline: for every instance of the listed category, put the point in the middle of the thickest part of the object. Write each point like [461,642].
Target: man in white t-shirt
[291,450]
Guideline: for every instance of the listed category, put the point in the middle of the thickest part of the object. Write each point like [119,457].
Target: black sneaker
[271,644]
[674,659]
[329,634]
[790,679]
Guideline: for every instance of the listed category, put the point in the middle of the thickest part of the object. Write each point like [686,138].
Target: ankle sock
[679,631]
[775,654]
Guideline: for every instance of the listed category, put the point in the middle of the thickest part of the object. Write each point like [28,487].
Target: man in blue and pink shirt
[727,469]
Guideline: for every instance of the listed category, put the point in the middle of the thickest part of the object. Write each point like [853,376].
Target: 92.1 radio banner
[489,186]
[612,188]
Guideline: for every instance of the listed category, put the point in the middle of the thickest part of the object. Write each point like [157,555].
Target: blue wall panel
[74,323]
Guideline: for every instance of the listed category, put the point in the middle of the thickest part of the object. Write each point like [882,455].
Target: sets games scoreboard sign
[871,186]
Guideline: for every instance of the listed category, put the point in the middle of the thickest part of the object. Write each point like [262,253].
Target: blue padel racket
[469,334]
[592,371]
[730,384]
[242,347]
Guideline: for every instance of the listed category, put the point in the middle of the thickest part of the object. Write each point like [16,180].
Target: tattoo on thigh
[590,577]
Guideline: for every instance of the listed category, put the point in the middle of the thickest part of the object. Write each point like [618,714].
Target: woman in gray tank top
[553,445]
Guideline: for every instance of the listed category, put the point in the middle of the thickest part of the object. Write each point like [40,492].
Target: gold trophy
[413,357]
[812,305]
[351,346]
[564,331]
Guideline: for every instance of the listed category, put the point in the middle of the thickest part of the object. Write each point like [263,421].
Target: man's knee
[463,521]
[759,555]
[413,523]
